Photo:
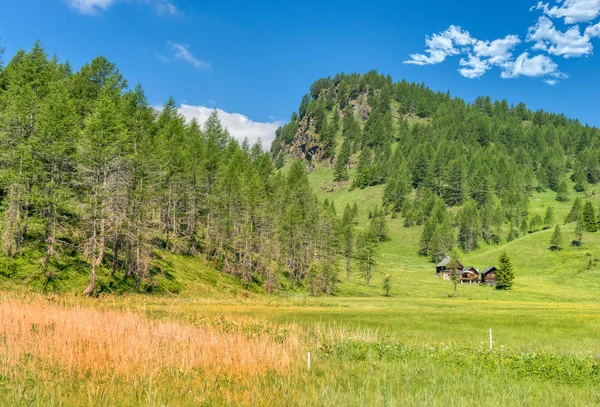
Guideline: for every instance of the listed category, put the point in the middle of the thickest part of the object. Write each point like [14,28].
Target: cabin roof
[470,270]
[489,270]
[445,262]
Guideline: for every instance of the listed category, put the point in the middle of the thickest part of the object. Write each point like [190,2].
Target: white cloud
[90,6]
[567,44]
[481,55]
[498,51]
[593,31]
[166,7]
[239,126]
[473,67]
[182,52]
[441,45]
[537,66]
[478,56]
[94,6]
[573,11]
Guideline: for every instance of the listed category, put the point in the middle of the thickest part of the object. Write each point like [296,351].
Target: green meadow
[420,346]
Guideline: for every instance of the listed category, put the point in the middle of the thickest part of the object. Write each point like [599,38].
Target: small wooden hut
[469,275]
[442,269]
[488,276]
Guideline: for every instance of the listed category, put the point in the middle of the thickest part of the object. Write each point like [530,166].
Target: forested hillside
[466,172]
[99,189]
[95,182]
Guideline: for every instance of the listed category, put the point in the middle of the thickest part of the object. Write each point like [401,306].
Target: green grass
[545,330]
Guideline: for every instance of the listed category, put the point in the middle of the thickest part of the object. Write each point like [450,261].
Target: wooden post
[491,340]
[309,361]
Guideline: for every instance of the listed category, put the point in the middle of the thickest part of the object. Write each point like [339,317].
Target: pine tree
[469,229]
[590,223]
[562,193]
[327,133]
[579,229]
[379,225]
[427,236]
[536,223]
[340,172]
[397,188]
[504,275]
[579,178]
[364,170]
[576,210]
[524,227]
[442,241]
[549,218]
[556,241]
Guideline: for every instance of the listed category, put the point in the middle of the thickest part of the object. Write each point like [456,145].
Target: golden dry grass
[87,342]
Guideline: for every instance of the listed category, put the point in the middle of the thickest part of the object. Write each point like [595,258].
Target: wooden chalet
[469,275]
[442,269]
[488,276]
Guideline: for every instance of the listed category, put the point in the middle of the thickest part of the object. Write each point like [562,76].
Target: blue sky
[258,58]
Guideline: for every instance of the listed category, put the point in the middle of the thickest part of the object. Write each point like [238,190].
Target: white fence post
[491,340]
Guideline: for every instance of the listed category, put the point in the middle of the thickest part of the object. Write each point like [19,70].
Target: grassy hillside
[541,274]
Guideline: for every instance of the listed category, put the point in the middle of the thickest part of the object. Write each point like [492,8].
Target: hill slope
[494,169]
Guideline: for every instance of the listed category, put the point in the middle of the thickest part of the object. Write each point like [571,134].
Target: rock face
[307,142]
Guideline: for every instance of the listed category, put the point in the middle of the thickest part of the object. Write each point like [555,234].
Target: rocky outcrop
[307,143]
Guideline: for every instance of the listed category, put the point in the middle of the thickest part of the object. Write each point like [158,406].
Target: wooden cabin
[488,276]
[469,275]
[442,269]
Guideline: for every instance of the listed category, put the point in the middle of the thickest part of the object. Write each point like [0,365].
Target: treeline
[434,152]
[88,169]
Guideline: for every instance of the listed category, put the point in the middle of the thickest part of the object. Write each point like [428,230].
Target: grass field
[214,343]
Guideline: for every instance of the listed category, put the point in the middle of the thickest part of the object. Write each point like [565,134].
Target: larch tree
[53,152]
[101,171]
[366,253]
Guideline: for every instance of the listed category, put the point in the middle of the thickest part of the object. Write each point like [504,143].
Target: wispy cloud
[478,56]
[573,11]
[90,6]
[95,6]
[182,52]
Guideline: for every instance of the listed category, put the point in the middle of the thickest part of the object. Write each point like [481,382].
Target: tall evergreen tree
[556,241]
[562,193]
[340,172]
[576,210]
[590,223]
[397,188]
[504,275]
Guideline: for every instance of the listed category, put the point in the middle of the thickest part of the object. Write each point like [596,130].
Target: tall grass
[75,355]
[85,342]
